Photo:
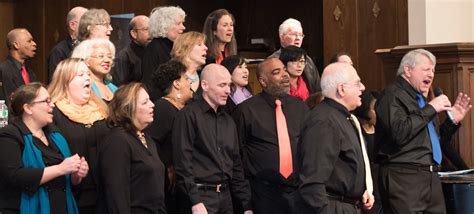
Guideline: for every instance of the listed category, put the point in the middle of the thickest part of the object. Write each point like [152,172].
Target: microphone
[437,92]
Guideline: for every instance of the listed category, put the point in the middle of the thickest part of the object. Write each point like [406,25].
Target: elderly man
[206,150]
[15,73]
[64,48]
[291,33]
[409,150]
[127,64]
[334,167]
[269,126]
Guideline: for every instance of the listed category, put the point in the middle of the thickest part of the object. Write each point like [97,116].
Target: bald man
[332,168]
[206,150]
[63,49]
[127,64]
[273,191]
[15,73]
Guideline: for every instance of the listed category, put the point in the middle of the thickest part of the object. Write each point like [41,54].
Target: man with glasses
[334,172]
[291,33]
[64,48]
[127,64]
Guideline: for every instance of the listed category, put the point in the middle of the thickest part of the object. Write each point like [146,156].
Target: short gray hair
[287,24]
[412,57]
[329,82]
[85,48]
[91,18]
[161,18]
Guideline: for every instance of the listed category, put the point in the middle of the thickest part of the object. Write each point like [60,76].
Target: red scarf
[301,91]
[221,57]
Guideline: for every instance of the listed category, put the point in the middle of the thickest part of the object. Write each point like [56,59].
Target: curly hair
[162,18]
[166,74]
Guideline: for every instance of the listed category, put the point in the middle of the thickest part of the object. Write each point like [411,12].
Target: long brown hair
[210,25]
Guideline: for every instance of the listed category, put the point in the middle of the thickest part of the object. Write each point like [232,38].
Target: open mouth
[106,66]
[427,82]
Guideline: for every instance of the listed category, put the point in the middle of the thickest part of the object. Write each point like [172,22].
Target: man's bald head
[273,77]
[72,19]
[215,84]
[20,44]
[138,29]
[341,83]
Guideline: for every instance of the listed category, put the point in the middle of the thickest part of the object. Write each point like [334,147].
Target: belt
[430,168]
[353,201]
[213,187]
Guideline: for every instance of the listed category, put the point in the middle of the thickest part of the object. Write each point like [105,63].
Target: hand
[70,165]
[171,177]
[77,177]
[461,107]
[199,209]
[367,201]
[441,103]
[248,212]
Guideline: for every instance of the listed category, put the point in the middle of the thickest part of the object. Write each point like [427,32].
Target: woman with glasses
[131,171]
[294,58]
[219,30]
[80,115]
[99,55]
[95,23]
[37,168]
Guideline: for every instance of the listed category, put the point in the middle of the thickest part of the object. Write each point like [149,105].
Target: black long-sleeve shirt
[132,175]
[128,65]
[402,127]
[206,151]
[256,124]
[60,52]
[157,52]
[331,160]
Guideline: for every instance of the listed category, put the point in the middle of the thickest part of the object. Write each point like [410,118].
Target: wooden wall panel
[6,17]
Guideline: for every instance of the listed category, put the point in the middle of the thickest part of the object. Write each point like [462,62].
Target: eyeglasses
[299,62]
[47,101]
[357,84]
[139,29]
[106,24]
[102,57]
[296,35]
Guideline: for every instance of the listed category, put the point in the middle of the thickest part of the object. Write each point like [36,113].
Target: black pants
[272,199]
[215,202]
[406,190]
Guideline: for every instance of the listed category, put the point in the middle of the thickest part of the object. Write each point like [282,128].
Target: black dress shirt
[128,65]
[206,151]
[132,175]
[256,124]
[156,53]
[14,178]
[402,127]
[83,140]
[331,160]
[60,52]
[11,76]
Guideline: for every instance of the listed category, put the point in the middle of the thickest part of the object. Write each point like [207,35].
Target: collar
[205,107]
[17,122]
[271,99]
[332,103]
[405,85]
[15,62]
[137,49]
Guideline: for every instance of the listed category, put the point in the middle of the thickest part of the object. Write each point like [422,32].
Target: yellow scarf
[86,114]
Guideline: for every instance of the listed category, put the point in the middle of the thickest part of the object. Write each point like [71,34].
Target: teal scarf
[32,158]
[109,85]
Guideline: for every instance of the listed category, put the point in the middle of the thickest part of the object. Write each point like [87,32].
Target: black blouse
[132,175]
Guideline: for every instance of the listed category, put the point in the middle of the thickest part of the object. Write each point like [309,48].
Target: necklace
[194,78]
[141,137]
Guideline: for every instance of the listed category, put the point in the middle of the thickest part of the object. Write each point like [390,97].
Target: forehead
[225,18]
[296,29]
[272,65]
[100,49]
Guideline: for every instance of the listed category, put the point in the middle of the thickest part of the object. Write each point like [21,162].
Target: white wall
[440,21]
